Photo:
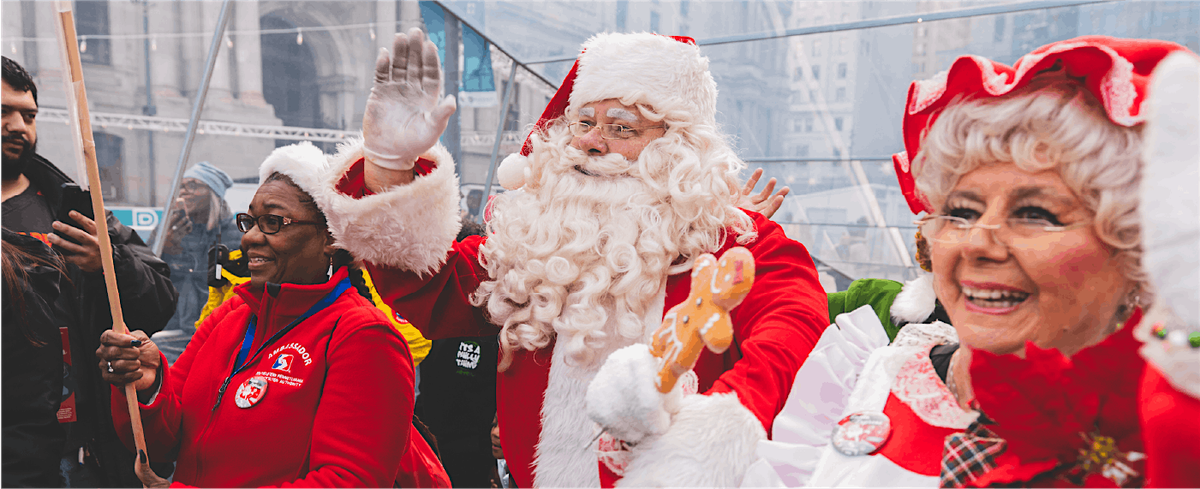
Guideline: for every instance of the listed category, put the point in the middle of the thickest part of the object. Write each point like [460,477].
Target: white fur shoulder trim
[711,443]
[410,227]
[916,300]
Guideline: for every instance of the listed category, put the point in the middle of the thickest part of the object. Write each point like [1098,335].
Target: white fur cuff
[916,300]
[711,443]
[410,227]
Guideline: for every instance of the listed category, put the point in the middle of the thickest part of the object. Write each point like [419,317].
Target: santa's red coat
[775,327]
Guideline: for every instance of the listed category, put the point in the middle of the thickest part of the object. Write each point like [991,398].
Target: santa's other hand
[405,114]
[624,400]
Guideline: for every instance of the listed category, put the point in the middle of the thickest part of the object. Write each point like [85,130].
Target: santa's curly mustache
[582,251]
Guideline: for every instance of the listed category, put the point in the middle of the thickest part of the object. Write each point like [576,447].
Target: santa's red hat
[666,73]
[1116,71]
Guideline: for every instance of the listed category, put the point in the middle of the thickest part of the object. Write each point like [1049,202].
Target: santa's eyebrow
[587,112]
[619,113]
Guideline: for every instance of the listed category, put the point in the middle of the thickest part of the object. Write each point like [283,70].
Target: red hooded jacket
[336,411]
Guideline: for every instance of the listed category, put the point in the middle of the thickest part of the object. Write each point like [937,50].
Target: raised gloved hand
[405,114]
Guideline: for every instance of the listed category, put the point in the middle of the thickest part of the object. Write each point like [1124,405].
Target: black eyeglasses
[267,223]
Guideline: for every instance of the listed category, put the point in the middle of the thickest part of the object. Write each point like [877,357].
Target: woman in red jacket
[296,381]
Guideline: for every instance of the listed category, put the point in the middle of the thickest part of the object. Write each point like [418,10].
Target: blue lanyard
[238,365]
[252,326]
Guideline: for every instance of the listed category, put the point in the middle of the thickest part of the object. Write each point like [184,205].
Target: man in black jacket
[32,194]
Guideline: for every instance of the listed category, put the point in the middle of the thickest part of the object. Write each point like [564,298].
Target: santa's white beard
[582,257]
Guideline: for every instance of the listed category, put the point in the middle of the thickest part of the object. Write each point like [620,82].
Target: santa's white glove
[405,114]
[623,399]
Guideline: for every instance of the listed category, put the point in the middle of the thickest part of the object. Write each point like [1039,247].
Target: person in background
[458,391]
[33,363]
[501,477]
[200,222]
[32,196]
[852,249]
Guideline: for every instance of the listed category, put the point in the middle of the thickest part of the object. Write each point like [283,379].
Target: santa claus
[624,182]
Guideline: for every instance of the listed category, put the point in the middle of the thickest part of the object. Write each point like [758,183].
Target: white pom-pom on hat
[511,172]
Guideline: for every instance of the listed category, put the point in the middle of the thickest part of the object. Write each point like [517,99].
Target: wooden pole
[73,72]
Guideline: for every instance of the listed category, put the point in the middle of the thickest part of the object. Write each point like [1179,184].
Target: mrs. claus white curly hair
[581,258]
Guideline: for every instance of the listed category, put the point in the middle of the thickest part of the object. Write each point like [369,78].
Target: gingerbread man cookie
[703,318]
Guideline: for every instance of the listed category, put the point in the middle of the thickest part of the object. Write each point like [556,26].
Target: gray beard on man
[577,258]
[581,253]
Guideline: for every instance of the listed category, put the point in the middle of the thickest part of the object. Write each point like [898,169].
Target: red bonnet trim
[908,186]
[1116,71]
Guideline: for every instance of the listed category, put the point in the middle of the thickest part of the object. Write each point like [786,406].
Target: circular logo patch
[250,392]
[861,433]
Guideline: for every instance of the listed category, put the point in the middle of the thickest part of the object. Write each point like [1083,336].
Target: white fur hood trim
[712,441]
[916,300]
[410,227]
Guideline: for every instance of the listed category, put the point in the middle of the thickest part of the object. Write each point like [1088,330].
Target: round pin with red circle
[861,433]
[250,392]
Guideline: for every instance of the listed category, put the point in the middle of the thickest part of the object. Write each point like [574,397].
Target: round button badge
[861,433]
[250,392]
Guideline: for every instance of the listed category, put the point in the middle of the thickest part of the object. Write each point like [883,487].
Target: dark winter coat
[32,373]
[147,302]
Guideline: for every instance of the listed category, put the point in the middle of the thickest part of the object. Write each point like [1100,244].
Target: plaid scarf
[969,455]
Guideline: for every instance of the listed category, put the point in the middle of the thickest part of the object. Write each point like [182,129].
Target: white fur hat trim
[662,72]
[304,163]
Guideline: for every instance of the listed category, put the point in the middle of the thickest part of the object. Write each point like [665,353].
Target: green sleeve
[878,293]
[837,303]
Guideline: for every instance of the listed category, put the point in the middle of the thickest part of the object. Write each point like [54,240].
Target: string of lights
[105,121]
[370,27]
